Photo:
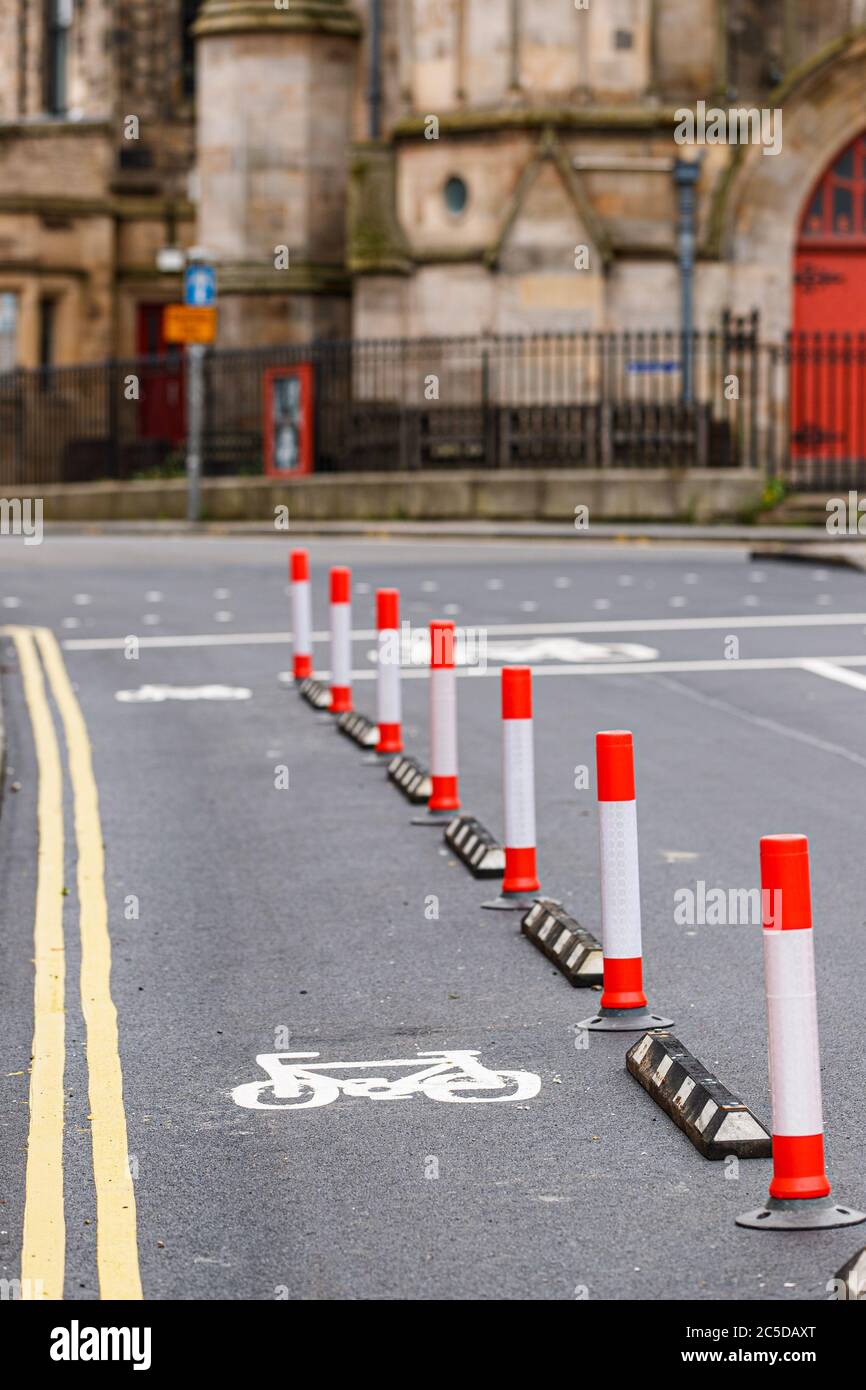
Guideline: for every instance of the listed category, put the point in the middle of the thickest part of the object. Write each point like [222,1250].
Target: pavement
[248,918]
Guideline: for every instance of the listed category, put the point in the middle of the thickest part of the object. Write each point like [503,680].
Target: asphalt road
[299,919]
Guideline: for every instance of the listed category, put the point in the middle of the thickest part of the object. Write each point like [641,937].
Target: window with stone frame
[56,49]
[8,331]
[188,14]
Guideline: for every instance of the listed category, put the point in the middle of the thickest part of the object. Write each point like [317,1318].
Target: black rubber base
[624,1021]
[801,1214]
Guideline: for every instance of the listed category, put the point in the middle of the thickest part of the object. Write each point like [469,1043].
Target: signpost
[193,323]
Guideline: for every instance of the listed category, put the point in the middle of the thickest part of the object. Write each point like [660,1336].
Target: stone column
[276,84]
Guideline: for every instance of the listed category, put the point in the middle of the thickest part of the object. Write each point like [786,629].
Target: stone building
[425,167]
[97,137]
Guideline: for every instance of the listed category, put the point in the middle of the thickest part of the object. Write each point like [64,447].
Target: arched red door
[828,349]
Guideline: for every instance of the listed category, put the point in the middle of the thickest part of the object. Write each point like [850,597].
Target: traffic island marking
[358,728]
[315,693]
[475,847]
[708,1114]
[413,780]
[561,938]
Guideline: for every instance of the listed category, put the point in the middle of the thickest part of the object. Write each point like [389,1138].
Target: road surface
[248,917]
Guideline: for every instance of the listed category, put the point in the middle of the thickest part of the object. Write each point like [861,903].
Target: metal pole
[194,428]
[686,175]
[374,71]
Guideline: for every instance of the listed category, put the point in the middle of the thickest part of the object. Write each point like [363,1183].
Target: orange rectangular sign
[184,324]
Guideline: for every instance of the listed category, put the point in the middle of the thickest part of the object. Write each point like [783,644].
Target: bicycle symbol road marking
[297,1081]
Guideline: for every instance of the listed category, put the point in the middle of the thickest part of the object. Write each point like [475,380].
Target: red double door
[828,349]
[162,396]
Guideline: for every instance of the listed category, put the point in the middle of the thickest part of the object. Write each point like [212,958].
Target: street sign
[199,286]
[182,324]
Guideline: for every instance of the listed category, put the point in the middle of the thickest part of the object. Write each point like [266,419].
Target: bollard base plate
[801,1214]
[509,902]
[624,1021]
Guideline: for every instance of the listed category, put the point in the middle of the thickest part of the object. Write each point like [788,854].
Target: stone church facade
[404,168]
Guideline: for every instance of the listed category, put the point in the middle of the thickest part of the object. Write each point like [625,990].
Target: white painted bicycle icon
[297,1082]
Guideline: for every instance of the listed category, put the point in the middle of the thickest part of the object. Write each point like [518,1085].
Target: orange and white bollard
[518,789]
[445,794]
[800,1190]
[623,1004]
[341,640]
[388,695]
[302,615]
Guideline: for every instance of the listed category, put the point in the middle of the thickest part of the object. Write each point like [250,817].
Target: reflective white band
[388,678]
[518,782]
[792,1024]
[443,721]
[620,880]
[341,644]
[302,618]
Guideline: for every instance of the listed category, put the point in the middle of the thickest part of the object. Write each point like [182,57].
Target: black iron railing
[795,410]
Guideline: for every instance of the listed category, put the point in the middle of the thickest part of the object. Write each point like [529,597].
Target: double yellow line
[44,1241]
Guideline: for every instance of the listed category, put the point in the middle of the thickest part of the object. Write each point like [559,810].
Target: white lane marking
[831,672]
[564,649]
[677,856]
[606,668]
[150,619]
[153,596]
[678,601]
[296,1081]
[222,593]
[252,639]
[71,622]
[11,602]
[568,649]
[82,599]
[772,725]
[156,694]
[223,616]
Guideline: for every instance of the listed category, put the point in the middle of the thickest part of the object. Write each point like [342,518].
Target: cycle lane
[231,928]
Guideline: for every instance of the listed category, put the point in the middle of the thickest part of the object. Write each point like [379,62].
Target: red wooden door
[828,350]
[161,400]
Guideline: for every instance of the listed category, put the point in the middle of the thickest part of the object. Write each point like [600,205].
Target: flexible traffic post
[444,794]
[800,1189]
[388,693]
[623,1004]
[520,879]
[302,615]
[341,640]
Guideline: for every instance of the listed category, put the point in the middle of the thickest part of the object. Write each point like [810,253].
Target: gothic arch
[760,203]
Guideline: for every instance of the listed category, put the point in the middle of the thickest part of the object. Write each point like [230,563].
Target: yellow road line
[44,1242]
[116,1236]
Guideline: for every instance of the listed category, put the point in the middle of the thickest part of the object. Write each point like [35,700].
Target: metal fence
[795,410]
